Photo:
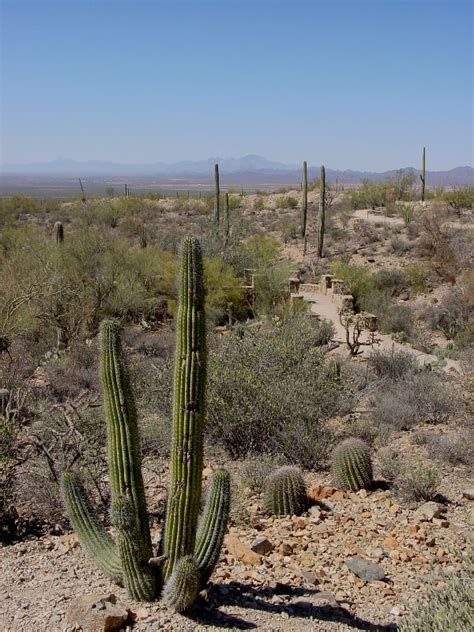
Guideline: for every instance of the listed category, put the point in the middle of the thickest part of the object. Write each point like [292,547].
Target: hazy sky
[354,84]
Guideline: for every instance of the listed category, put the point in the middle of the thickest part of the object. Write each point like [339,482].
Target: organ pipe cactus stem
[182,587]
[226,219]
[188,411]
[59,232]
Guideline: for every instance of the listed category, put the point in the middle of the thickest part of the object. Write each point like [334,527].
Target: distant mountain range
[249,167]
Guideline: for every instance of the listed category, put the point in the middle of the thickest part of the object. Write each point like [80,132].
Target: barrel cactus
[187,560]
[352,464]
[285,492]
[59,232]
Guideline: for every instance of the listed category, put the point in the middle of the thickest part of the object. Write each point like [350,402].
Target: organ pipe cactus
[304,201]
[186,564]
[285,492]
[352,464]
[322,211]
[59,232]
[226,219]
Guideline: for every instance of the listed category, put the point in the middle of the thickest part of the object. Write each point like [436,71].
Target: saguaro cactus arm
[93,537]
[213,524]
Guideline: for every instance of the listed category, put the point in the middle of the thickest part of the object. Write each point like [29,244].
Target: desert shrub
[445,608]
[413,230]
[324,332]
[394,365]
[417,277]
[453,314]
[258,204]
[357,279]
[417,482]
[271,392]
[366,232]
[460,199]
[255,470]
[407,211]
[390,464]
[390,281]
[396,319]
[455,448]
[399,246]
[403,404]
[286,201]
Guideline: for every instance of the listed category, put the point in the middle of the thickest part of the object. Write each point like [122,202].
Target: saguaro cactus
[226,219]
[188,410]
[217,197]
[322,211]
[59,232]
[304,200]
[423,175]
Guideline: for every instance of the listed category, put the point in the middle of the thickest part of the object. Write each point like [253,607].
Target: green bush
[271,392]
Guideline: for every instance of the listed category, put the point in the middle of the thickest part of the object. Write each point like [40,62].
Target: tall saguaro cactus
[188,559]
[304,200]
[423,175]
[217,197]
[226,219]
[188,411]
[322,211]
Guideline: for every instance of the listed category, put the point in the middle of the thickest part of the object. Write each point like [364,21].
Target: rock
[365,569]
[377,554]
[430,510]
[404,296]
[309,577]
[241,551]
[286,549]
[261,545]
[315,514]
[97,613]
[317,493]
[397,610]
[390,542]
[468,493]
[338,495]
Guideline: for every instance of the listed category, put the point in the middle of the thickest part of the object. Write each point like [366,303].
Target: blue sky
[354,84]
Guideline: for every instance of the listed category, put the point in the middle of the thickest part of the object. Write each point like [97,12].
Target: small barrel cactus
[285,492]
[352,464]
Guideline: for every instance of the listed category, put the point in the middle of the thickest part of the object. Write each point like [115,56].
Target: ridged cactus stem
[93,537]
[304,200]
[188,411]
[322,211]
[285,492]
[182,587]
[226,219]
[217,194]
[59,232]
[352,465]
[213,524]
[122,437]
[139,577]
[423,175]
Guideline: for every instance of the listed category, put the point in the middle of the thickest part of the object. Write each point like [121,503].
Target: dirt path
[327,306]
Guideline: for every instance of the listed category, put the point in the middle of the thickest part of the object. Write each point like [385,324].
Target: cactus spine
[226,219]
[93,537]
[304,201]
[352,465]
[213,524]
[322,211]
[285,492]
[59,232]
[188,410]
[423,175]
[217,195]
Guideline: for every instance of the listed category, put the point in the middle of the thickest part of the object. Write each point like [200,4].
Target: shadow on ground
[301,603]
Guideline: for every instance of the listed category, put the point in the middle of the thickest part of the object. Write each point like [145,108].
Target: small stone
[97,613]
[394,509]
[377,554]
[430,510]
[397,610]
[469,494]
[309,577]
[261,545]
[390,542]
[286,549]
[241,551]
[315,514]
[439,522]
[365,569]
[317,493]
[338,495]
